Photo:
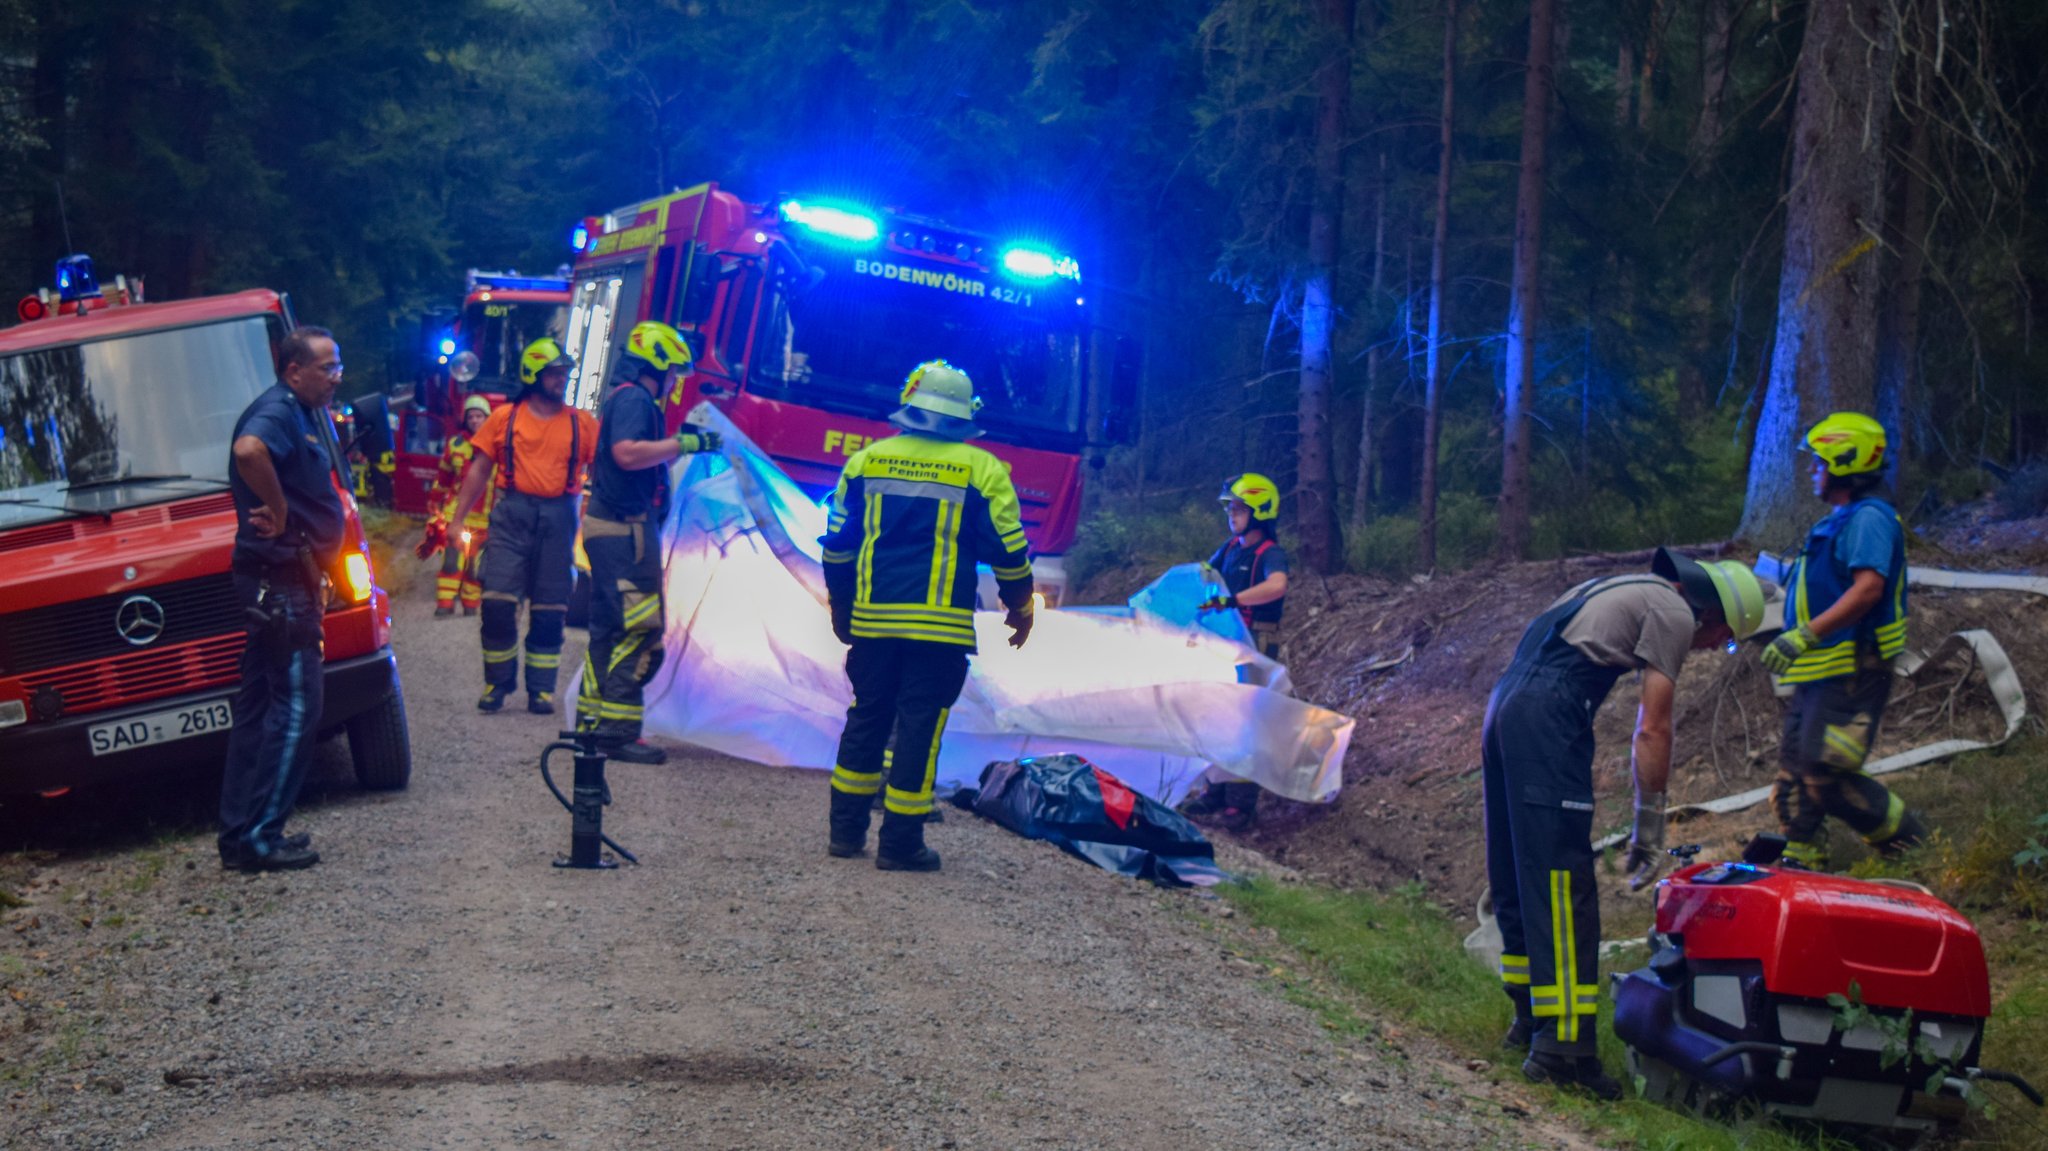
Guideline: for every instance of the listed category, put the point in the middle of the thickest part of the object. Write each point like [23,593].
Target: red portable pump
[1735,1004]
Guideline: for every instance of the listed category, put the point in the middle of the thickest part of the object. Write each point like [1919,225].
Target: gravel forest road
[434,983]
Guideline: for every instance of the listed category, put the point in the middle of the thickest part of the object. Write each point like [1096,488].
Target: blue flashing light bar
[501,282]
[1039,264]
[833,223]
[447,346]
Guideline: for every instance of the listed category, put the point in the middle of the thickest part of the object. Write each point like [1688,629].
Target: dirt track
[435,983]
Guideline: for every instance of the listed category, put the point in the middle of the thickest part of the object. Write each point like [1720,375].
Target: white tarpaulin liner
[1150,693]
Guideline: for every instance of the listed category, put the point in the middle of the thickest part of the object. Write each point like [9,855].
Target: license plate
[161,726]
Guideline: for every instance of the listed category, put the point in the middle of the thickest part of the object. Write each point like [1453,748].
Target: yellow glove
[1780,653]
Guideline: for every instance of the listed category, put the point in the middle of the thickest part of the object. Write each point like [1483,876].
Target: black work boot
[849,825]
[1912,833]
[1519,1034]
[901,846]
[1581,1072]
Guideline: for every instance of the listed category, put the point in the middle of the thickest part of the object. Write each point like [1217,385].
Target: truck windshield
[155,405]
[848,342]
[498,331]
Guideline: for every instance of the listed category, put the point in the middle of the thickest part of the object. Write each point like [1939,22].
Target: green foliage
[1401,958]
[1122,535]
[1385,547]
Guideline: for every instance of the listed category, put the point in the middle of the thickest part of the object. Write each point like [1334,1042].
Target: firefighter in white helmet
[911,518]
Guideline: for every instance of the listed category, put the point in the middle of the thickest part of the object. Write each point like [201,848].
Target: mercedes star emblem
[140,620]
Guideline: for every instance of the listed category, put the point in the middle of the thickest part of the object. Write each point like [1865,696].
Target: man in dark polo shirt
[291,521]
[629,498]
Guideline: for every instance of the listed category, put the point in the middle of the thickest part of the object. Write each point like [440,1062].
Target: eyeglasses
[333,369]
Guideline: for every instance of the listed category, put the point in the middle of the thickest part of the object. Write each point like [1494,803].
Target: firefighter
[911,517]
[1537,778]
[534,450]
[1254,570]
[1845,621]
[458,578]
[629,495]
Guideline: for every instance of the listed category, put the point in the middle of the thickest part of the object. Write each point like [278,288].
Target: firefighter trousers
[905,688]
[625,648]
[459,578]
[1829,727]
[1537,771]
[529,557]
[276,714]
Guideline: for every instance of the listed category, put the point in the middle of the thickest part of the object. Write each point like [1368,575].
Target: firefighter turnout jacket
[911,517]
[447,488]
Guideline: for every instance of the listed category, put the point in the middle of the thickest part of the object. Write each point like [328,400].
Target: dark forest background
[1256,188]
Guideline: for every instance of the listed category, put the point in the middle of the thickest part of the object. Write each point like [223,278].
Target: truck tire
[579,599]
[381,746]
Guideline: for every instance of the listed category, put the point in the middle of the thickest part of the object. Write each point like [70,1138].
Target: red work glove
[433,539]
[1217,603]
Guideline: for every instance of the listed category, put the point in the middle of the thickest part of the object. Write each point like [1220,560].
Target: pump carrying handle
[549,779]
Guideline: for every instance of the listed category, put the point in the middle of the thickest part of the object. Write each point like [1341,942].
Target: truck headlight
[13,712]
[361,580]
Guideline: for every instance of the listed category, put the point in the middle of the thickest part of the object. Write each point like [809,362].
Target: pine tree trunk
[1525,306]
[1898,349]
[49,100]
[1432,403]
[1824,359]
[1715,36]
[1361,499]
[1314,503]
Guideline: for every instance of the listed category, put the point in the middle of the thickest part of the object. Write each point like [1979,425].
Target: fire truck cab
[805,316]
[120,632]
[473,352]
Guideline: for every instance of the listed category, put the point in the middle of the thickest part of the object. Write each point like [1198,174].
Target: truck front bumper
[42,757]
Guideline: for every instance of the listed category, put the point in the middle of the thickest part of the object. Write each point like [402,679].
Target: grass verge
[1405,958]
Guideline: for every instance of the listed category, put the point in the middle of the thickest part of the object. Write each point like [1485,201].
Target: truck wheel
[579,599]
[380,745]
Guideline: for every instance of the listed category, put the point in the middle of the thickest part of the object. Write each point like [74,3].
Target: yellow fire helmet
[938,400]
[541,355]
[652,348]
[476,404]
[1717,583]
[1254,491]
[1851,443]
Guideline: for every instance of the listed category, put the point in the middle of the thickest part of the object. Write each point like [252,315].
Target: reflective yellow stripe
[871,532]
[1514,970]
[1894,814]
[911,613]
[919,802]
[1019,572]
[1567,949]
[1840,739]
[832,557]
[544,660]
[856,782]
[938,561]
[963,637]
[493,655]
[642,611]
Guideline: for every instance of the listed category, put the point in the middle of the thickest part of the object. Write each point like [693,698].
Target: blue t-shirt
[297,438]
[1869,539]
[630,413]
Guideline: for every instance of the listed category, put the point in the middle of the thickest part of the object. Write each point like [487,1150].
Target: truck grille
[143,675]
[86,629]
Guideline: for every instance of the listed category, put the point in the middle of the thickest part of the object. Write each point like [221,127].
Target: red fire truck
[120,632]
[475,352]
[805,316]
